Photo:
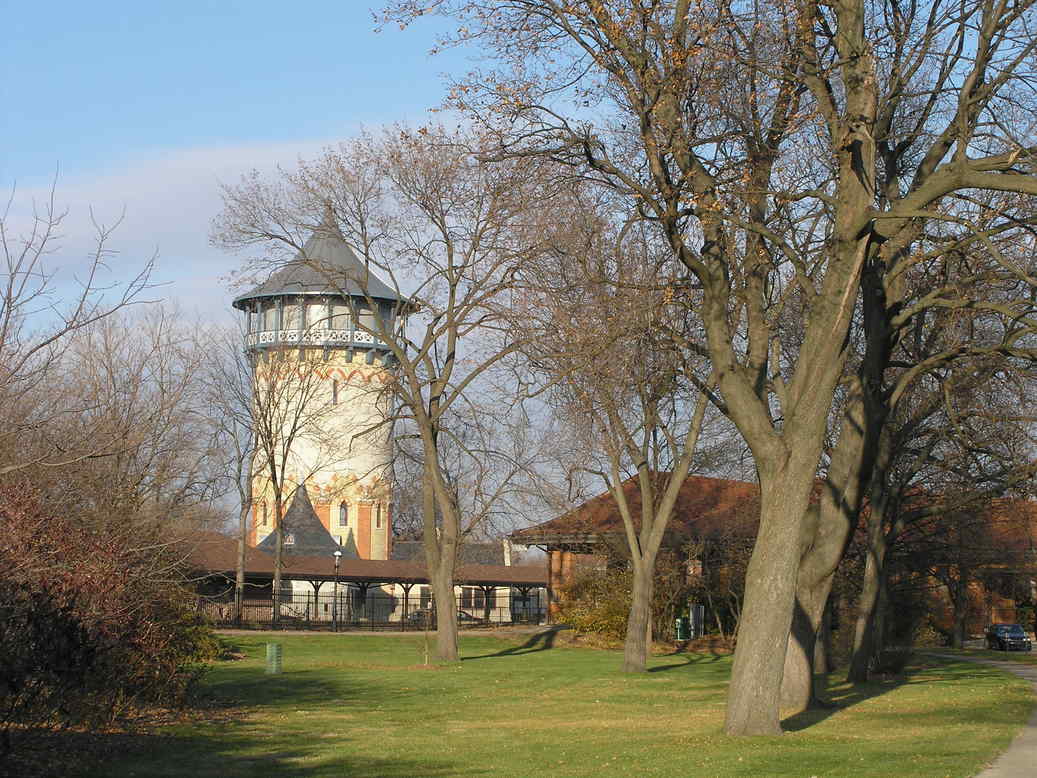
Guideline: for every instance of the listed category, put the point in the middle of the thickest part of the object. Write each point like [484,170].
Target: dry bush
[92,620]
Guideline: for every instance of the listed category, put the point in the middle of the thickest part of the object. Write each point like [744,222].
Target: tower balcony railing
[313,336]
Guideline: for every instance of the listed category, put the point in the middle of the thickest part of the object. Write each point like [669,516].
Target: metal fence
[354,608]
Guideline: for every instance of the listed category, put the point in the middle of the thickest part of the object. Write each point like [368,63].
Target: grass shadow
[688,660]
[97,755]
[841,696]
[540,641]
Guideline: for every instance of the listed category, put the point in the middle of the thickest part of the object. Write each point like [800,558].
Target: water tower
[319,315]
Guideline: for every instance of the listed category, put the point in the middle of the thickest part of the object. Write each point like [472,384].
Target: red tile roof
[704,505]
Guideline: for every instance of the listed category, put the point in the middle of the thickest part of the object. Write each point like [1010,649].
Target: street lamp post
[334,602]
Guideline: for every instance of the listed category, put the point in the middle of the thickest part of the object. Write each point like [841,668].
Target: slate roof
[325,266]
[704,505]
[309,537]
[471,553]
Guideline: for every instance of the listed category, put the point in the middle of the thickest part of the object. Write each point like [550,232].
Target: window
[292,317]
[334,391]
[263,522]
[338,539]
[423,593]
[340,316]
[367,319]
[269,315]
[289,539]
[343,515]
[378,516]
[316,315]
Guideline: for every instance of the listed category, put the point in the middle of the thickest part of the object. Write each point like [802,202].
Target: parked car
[1007,637]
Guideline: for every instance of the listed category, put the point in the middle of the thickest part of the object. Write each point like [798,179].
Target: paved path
[1020,760]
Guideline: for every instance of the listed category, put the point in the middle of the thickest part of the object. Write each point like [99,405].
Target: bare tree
[779,149]
[611,322]
[451,235]
[37,327]
[229,391]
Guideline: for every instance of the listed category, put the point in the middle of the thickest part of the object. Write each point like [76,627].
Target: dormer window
[289,539]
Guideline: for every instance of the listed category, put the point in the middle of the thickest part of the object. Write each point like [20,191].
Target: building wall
[342,448]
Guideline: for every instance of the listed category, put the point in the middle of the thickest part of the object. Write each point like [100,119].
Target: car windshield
[1012,630]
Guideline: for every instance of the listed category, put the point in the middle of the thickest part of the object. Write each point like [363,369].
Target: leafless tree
[450,234]
[43,304]
[780,149]
[611,324]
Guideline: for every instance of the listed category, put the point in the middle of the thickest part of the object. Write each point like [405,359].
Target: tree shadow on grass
[686,660]
[844,696]
[100,755]
[540,641]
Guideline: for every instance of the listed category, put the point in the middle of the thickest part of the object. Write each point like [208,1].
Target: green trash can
[682,626]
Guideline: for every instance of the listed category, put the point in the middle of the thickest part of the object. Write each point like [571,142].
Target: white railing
[312,337]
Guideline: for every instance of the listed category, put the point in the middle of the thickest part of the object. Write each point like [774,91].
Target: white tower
[315,316]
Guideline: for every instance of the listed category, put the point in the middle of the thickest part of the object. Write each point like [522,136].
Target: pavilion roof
[215,553]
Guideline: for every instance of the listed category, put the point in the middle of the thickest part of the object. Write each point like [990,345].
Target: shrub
[598,601]
[92,620]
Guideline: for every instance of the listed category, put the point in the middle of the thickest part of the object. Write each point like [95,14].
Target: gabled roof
[325,266]
[308,535]
[704,506]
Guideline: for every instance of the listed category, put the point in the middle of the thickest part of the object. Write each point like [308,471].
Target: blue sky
[146,107]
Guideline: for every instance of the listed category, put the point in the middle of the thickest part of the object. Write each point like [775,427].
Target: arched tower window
[378,516]
[263,522]
[343,515]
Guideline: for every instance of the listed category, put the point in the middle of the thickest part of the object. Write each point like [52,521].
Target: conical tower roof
[325,266]
[309,537]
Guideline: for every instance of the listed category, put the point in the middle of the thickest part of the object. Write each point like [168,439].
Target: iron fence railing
[376,609]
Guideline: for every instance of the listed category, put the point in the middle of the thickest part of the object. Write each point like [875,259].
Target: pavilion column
[554,582]
[567,567]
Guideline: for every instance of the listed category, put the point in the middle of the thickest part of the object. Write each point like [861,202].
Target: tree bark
[278,559]
[865,645]
[239,571]
[440,556]
[828,527]
[754,694]
[446,613]
[639,621]
[960,600]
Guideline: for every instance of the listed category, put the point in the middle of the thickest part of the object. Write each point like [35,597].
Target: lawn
[365,705]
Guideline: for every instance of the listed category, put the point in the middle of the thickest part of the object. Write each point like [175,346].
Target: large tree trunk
[798,690]
[763,631]
[865,644]
[442,579]
[639,621]
[441,542]
[827,529]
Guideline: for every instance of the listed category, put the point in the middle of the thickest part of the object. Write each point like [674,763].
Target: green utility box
[273,658]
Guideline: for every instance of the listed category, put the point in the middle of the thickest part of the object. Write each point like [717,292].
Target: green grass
[1025,657]
[364,705]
